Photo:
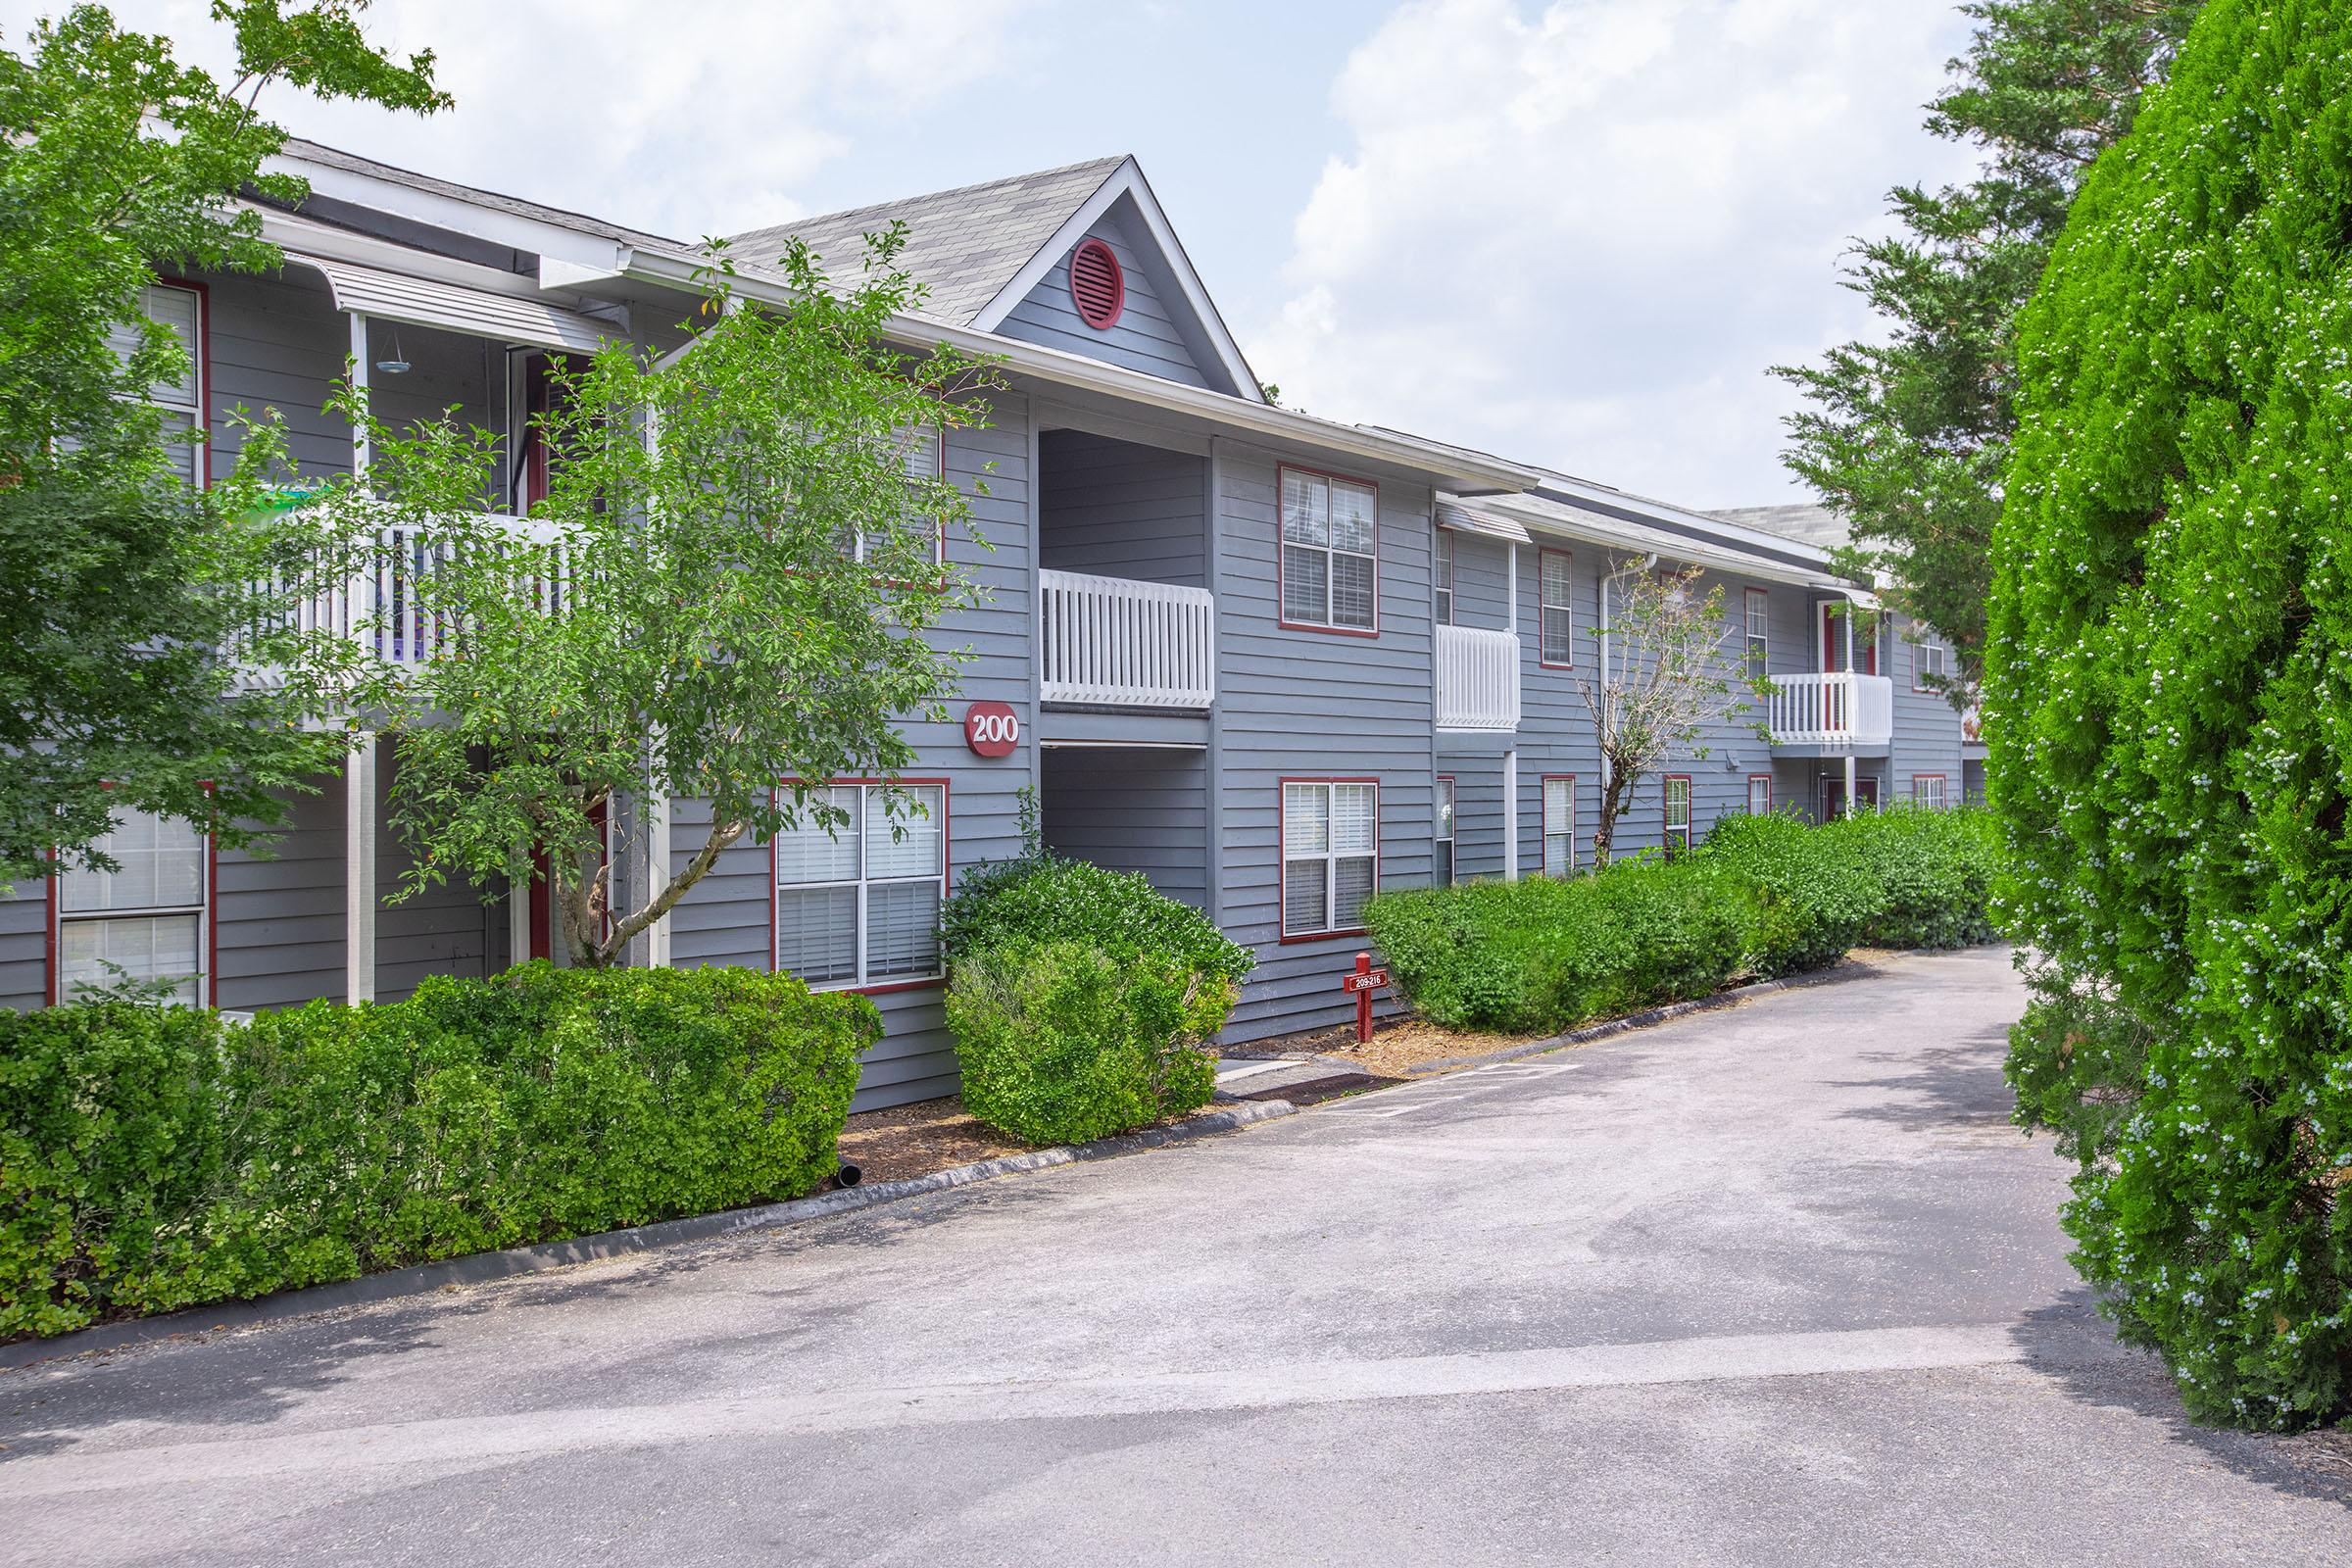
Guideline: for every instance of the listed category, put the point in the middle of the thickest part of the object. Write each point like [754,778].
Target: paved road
[1772,1285]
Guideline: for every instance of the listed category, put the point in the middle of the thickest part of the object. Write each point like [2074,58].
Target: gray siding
[25,947]
[280,917]
[1120,510]
[1927,730]
[1150,334]
[1132,810]
[1314,704]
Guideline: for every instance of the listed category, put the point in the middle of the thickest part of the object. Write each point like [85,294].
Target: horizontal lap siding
[281,912]
[1313,705]
[726,918]
[25,945]
[1927,729]
[442,929]
[1120,510]
[1146,337]
[1132,810]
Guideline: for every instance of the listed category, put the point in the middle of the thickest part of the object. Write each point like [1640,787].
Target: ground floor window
[1559,824]
[859,886]
[1443,871]
[1677,814]
[143,923]
[1759,794]
[1927,790]
[1330,855]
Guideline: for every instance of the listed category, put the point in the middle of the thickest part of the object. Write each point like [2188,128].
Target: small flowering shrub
[2170,705]
[153,1158]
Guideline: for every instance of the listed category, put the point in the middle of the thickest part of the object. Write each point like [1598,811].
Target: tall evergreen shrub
[2170,704]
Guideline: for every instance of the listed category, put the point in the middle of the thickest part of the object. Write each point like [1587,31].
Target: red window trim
[946,872]
[1666,828]
[202,353]
[1118,283]
[207,983]
[1753,779]
[1543,801]
[1282,620]
[1543,662]
[1282,860]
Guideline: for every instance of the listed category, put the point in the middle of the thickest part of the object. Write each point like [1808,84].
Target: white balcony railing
[1478,679]
[1123,644]
[1835,710]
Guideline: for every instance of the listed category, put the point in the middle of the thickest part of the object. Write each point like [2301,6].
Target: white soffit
[422,302]
[1466,520]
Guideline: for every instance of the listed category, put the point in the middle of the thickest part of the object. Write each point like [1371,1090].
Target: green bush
[151,1159]
[1061,1042]
[2170,723]
[1813,900]
[1928,875]
[1042,897]
[1542,953]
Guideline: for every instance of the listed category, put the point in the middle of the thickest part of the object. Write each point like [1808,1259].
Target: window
[1927,789]
[1758,605]
[860,905]
[1443,872]
[179,309]
[1555,624]
[1559,824]
[1931,659]
[1759,794]
[1677,814]
[923,449]
[1445,571]
[1330,855]
[145,920]
[1330,563]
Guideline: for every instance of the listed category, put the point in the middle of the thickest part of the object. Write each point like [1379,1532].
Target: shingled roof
[1808,523]
[962,245]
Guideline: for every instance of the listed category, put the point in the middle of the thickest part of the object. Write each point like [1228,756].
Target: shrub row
[1081,997]
[156,1158]
[1764,896]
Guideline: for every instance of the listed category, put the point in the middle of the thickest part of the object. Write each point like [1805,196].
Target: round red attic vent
[1097,284]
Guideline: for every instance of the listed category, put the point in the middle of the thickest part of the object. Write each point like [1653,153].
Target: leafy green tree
[729,587]
[2171,719]
[1907,434]
[126,594]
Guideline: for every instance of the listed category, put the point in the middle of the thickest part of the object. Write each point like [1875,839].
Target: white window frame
[914,440]
[1330,484]
[1546,605]
[1668,826]
[168,400]
[1929,649]
[1447,822]
[1444,570]
[1330,857]
[1939,798]
[865,979]
[1756,612]
[1559,826]
[62,919]
[1755,779]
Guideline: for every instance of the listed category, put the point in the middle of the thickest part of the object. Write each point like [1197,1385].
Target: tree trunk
[616,943]
[1614,801]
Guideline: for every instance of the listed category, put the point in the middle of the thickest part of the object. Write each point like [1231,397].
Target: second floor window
[1330,855]
[1445,571]
[1556,625]
[1330,553]
[179,311]
[1758,608]
[1930,661]
[860,905]
[143,922]
[923,450]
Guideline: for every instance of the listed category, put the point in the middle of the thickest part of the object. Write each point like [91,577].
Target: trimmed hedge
[154,1158]
[1764,896]
[1061,1043]
[1080,998]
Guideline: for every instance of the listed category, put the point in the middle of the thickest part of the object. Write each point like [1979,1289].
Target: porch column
[655,815]
[359,868]
[519,919]
[1850,784]
[1510,815]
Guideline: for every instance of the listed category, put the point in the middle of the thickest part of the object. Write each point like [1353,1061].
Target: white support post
[518,920]
[1510,612]
[656,877]
[1510,815]
[360,455]
[359,868]
[1850,784]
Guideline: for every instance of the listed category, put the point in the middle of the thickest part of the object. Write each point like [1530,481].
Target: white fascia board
[592,253]
[1447,468]
[289,233]
[1127,180]
[1734,532]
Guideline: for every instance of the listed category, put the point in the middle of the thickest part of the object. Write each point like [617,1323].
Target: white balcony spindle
[1116,643]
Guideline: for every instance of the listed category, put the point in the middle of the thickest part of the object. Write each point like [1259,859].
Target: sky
[1574,233]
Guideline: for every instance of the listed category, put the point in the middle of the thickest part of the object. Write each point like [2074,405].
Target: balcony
[1836,712]
[1478,679]
[1113,643]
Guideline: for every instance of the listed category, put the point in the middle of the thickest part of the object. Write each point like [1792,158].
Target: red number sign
[991,729]
[1363,982]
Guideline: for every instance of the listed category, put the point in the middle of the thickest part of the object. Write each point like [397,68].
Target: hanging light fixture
[397,364]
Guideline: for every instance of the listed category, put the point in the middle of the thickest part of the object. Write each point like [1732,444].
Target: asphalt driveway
[1777,1284]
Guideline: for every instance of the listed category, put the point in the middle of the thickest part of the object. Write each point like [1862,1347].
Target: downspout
[1648,562]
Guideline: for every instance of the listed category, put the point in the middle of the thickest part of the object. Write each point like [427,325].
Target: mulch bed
[1397,1047]
[908,1140]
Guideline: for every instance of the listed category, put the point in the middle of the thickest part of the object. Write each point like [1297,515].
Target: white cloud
[680,118]
[1578,236]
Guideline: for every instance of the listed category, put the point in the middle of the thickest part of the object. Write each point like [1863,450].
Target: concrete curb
[477,1268]
[1843,970]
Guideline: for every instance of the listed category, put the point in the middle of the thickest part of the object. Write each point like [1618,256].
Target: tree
[1907,435]
[127,594]
[1665,683]
[2170,723]
[726,593]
